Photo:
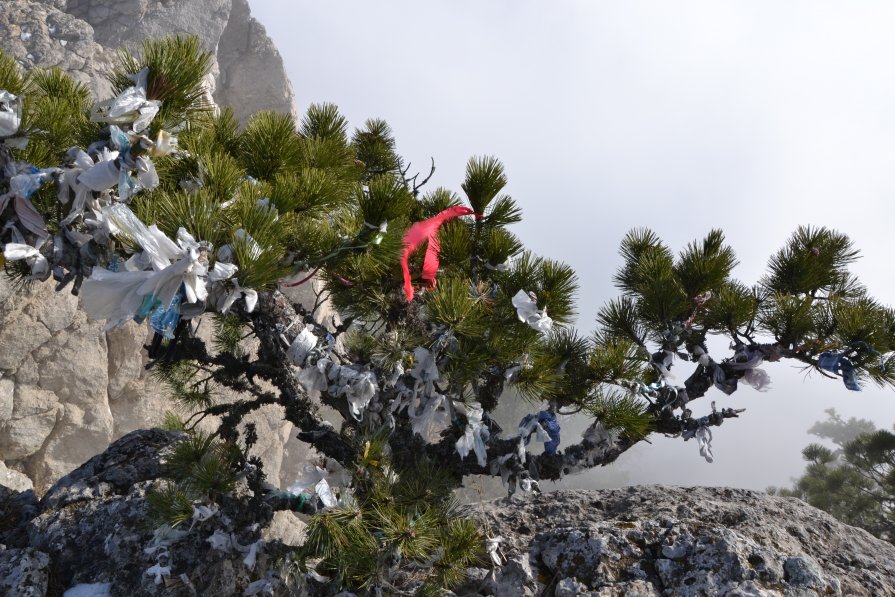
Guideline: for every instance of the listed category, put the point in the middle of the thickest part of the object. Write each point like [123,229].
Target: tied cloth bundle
[838,363]
[747,359]
[545,426]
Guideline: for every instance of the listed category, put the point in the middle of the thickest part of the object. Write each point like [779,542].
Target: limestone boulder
[662,540]
[68,387]
[42,33]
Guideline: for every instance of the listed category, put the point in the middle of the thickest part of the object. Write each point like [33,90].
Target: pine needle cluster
[400,526]
[199,470]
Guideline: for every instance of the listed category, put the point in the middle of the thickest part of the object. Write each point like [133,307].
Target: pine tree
[855,481]
[157,207]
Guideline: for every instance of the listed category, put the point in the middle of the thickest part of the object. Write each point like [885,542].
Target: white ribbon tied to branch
[251,298]
[69,184]
[10,114]
[223,297]
[303,344]
[40,267]
[158,250]
[528,312]
[703,437]
[118,296]
[358,387]
[424,367]
[475,436]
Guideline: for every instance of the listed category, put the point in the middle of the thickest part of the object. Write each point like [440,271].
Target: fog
[755,117]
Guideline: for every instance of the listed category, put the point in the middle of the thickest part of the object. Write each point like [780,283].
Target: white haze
[755,117]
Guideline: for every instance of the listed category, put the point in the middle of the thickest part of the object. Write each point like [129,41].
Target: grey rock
[248,71]
[251,69]
[15,507]
[661,540]
[285,527]
[134,458]
[14,479]
[513,579]
[7,388]
[569,587]
[33,32]
[23,572]
[91,527]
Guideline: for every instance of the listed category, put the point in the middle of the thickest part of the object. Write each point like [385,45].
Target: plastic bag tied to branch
[838,363]
[130,107]
[10,114]
[528,312]
[25,180]
[40,267]
[546,428]
[475,436]
[303,344]
[121,296]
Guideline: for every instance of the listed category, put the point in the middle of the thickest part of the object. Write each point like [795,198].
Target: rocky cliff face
[81,37]
[90,531]
[67,387]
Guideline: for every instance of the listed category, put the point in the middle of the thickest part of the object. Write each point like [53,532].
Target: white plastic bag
[475,435]
[40,268]
[758,379]
[251,298]
[298,351]
[222,271]
[103,175]
[160,249]
[30,218]
[528,312]
[68,184]
[131,106]
[314,378]
[147,177]
[325,493]
[358,387]
[432,420]
[118,296]
[243,237]
[424,367]
[10,114]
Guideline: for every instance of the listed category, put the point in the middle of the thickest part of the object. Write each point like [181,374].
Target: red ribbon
[423,231]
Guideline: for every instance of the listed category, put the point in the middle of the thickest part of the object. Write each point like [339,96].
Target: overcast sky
[755,117]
